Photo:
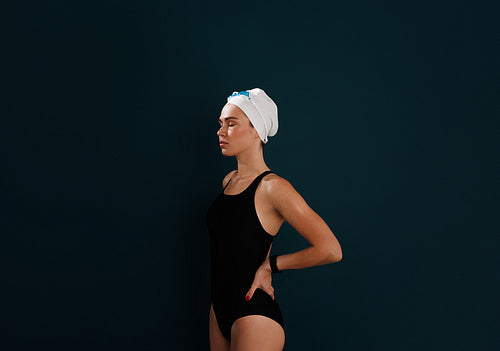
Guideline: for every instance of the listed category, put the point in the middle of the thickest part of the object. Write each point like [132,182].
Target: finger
[270,292]
[249,293]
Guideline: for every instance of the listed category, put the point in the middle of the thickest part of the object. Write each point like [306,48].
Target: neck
[250,163]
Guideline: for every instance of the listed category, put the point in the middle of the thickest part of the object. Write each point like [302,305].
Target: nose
[220,130]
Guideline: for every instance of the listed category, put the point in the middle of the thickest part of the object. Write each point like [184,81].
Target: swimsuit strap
[257,180]
[263,174]
[229,181]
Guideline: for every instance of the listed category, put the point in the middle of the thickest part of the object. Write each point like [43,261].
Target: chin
[226,153]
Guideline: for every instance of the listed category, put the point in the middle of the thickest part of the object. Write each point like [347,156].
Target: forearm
[308,257]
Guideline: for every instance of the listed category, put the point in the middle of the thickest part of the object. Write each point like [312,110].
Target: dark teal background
[110,159]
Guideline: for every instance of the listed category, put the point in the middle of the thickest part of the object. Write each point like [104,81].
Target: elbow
[334,255]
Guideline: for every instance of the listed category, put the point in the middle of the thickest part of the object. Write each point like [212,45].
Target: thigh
[217,341]
[256,332]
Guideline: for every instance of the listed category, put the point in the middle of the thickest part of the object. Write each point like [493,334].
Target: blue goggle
[246,93]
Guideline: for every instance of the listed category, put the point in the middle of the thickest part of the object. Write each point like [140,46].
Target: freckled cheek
[237,134]
[233,132]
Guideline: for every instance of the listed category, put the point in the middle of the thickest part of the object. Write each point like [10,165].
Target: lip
[222,143]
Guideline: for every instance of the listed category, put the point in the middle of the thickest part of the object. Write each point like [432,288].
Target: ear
[256,135]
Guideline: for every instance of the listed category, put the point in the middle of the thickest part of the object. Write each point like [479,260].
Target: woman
[242,222]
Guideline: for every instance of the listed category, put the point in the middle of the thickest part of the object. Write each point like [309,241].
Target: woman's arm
[324,248]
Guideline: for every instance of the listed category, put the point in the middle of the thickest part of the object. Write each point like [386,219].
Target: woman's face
[236,131]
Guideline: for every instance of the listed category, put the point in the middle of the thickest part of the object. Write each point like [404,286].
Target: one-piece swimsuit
[238,246]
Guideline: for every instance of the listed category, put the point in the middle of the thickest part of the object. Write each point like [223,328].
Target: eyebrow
[227,118]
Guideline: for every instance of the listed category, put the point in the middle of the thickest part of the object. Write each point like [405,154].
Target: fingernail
[247,298]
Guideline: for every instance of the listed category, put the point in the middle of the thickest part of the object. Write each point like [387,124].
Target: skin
[276,201]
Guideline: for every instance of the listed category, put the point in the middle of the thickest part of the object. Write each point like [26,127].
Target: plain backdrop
[110,159]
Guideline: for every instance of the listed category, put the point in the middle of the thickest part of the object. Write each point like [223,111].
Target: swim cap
[260,110]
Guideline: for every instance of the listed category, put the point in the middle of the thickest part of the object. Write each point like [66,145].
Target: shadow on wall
[198,176]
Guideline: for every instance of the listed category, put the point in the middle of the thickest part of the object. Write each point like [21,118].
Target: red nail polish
[247,298]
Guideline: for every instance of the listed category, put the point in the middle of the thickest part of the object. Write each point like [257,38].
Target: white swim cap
[260,110]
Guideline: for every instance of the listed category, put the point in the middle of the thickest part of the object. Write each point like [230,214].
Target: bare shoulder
[276,187]
[281,193]
[227,177]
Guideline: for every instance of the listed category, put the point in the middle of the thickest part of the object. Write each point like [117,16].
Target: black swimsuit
[238,246]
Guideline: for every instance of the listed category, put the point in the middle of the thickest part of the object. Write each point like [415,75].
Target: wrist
[273,264]
[266,265]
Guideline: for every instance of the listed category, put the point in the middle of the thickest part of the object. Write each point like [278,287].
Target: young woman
[242,222]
